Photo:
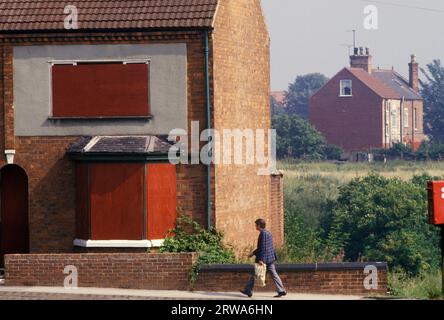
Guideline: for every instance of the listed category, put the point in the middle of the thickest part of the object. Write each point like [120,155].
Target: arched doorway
[14,226]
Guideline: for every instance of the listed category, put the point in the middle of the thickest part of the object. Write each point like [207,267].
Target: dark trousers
[271,268]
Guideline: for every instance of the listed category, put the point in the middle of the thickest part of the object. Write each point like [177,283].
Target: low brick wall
[340,278]
[171,272]
[105,270]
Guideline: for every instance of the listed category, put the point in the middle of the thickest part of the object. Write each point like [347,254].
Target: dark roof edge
[295,267]
[106,30]
[120,157]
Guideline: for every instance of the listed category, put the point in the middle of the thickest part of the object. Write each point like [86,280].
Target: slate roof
[387,84]
[47,15]
[397,83]
[120,145]
[373,83]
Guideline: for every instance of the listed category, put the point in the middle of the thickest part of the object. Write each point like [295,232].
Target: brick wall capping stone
[277,173]
[295,267]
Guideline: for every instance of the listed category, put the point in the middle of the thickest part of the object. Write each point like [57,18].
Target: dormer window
[346,88]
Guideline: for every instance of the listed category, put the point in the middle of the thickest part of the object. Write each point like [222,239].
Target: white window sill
[118,243]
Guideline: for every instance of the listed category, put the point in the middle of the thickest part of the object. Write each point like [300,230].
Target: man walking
[265,254]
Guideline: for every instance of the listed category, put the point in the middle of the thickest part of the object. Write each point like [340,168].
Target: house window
[346,88]
[406,118]
[100,89]
[120,203]
[394,120]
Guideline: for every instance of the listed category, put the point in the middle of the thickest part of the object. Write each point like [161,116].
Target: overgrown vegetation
[426,285]
[363,212]
[189,236]
[380,219]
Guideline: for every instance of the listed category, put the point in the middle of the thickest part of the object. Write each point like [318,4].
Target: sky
[312,36]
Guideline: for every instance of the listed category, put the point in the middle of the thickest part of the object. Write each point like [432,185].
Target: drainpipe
[413,128]
[402,120]
[208,107]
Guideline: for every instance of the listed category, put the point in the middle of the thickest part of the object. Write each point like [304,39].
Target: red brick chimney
[414,73]
[361,59]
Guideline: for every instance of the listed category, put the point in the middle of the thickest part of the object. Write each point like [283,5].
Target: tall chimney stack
[362,59]
[414,73]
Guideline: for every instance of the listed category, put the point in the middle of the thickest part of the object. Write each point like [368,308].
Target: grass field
[312,185]
[343,173]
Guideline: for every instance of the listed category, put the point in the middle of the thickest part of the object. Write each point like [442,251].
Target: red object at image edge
[436,202]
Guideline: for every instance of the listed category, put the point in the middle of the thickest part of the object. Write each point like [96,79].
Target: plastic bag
[260,272]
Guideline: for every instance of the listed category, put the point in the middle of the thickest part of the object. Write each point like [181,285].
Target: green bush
[189,236]
[430,151]
[333,152]
[376,218]
[398,151]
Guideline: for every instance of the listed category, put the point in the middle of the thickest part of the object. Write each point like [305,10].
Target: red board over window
[161,196]
[116,201]
[96,90]
[125,201]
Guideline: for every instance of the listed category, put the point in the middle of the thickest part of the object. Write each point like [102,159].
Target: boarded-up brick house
[362,108]
[84,113]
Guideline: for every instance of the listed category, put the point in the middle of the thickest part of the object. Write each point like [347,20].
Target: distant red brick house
[279,97]
[84,113]
[362,108]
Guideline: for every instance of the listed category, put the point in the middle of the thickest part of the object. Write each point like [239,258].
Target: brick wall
[241,77]
[171,272]
[277,209]
[419,135]
[51,191]
[102,270]
[353,123]
[346,279]
[51,173]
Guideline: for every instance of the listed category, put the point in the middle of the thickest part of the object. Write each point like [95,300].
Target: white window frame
[118,243]
[344,84]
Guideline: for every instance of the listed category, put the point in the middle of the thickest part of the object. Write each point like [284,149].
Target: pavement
[60,293]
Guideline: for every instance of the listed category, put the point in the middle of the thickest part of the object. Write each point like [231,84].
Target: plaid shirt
[265,250]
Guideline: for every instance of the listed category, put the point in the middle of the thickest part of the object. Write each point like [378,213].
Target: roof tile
[374,83]
[22,15]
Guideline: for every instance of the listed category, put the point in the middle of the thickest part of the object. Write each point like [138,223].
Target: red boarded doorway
[14,226]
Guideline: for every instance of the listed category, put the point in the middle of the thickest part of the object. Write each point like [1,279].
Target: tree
[379,219]
[298,95]
[430,151]
[433,94]
[296,138]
